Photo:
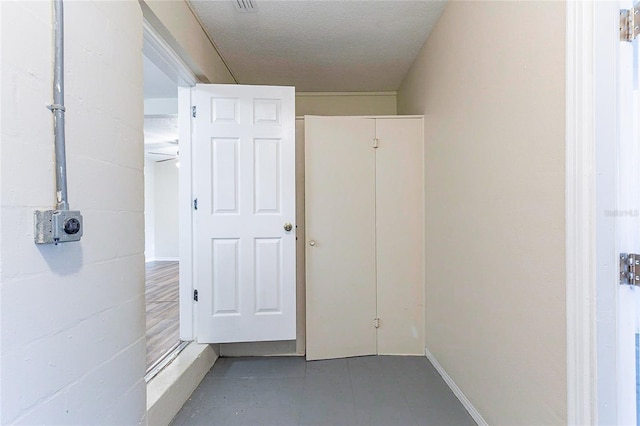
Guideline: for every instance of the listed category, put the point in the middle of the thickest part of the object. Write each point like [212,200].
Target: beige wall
[491,83]
[345,103]
[181,29]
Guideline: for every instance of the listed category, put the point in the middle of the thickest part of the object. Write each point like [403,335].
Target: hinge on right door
[195,295]
[629,269]
[195,204]
[375,142]
[193,111]
[630,23]
[376,322]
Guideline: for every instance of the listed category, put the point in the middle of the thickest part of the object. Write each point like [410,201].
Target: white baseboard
[169,390]
[164,259]
[456,390]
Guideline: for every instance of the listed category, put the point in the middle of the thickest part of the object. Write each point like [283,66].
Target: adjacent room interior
[161,163]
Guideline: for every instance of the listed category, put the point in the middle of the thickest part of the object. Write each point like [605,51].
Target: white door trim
[163,56]
[592,43]
[580,214]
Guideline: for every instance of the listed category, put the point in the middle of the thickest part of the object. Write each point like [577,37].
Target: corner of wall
[494,108]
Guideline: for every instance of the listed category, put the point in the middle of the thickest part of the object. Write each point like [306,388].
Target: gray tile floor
[371,390]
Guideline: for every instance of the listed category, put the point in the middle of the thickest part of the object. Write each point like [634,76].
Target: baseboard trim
[456,390]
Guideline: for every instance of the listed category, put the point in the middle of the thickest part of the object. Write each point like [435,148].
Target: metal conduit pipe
[57,108]
[60,225]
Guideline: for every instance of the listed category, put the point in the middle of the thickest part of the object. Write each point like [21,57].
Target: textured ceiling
[160,128]
[320,45]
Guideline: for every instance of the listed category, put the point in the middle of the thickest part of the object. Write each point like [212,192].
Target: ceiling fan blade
[162,153]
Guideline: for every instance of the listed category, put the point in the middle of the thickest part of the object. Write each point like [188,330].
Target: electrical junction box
[57,226]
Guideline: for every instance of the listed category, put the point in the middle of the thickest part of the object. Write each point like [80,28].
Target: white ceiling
[320,45]
[160,128]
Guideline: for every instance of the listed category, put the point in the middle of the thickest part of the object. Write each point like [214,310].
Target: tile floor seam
[353,393]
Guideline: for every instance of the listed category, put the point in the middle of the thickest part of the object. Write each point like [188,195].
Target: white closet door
[340,233]
[399,234]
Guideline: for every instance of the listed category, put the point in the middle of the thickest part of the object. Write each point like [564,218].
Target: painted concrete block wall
[72,315]
[346,103]
[166,210]
[490,81]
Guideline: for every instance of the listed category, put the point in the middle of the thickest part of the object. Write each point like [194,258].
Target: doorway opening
[161,162]
[167,81]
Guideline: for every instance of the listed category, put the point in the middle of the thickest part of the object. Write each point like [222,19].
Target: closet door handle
[312,243]
[288,227]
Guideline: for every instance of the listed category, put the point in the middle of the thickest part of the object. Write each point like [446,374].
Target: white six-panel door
[244,181]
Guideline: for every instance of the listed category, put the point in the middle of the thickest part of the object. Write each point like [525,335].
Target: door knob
[288,227]
[312,243]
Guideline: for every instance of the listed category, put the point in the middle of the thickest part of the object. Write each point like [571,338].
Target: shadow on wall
[63,259]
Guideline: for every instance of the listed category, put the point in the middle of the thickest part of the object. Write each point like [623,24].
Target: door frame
[591,120]
[580,211]
[163,56]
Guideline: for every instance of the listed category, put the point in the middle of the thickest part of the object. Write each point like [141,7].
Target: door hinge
[375,142]
[195,204]
[629,269]
[376,322]
[630,23]
[193,111]
[195,295]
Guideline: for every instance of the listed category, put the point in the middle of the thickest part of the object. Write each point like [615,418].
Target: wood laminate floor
[161,293]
